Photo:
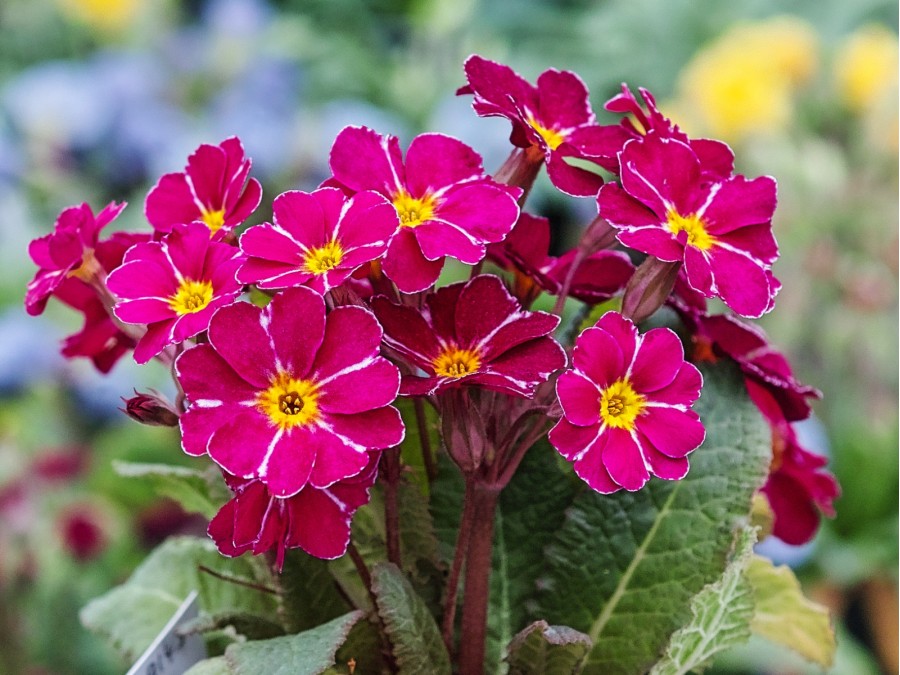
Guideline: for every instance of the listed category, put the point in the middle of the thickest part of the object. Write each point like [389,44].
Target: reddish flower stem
[580,255]
[459,557]
[424,439]
[390,472]
[484,499]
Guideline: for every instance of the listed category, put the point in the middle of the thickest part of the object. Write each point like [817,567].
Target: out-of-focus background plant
[100,97]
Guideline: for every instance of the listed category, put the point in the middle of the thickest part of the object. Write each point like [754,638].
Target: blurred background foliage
[100,97]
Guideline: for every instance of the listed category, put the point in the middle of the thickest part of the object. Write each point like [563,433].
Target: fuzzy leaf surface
[542,649]
[623,568]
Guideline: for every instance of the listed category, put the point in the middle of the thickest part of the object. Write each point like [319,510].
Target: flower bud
[649,288]
[151,408]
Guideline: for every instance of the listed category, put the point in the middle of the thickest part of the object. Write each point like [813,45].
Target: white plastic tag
[171,653]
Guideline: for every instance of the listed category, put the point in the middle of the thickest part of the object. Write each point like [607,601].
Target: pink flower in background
[798,489]
[315,519]
[716,158]
[288,395]
[66,252]
[214,188]
[626,406]
[447,206]
[599,277]
[317,239]
[174,286]
[721,231]
[472,333]
[554,118]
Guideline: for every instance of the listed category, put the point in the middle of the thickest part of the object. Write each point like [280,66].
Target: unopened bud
[151,408]
[463,430]
[649,288]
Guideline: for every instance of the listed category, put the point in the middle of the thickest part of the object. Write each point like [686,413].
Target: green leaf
[250,626]
[415,639]
[542,649]
[721,616]
[196,491]
[308,653]
[308,594]
[131,615]
[624,568]
[215,666]
[363,649]
[784,615]
[411,448]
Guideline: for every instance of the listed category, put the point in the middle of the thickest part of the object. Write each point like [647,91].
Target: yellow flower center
[552,137]
[191,296]
[456,362]
[324,258]
[697,236]
[620,405]
[289,402]
[214,219]
[413,212]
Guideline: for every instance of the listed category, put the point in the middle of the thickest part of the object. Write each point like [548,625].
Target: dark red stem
[390,473]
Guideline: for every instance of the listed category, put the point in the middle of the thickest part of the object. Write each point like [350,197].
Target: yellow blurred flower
[744,82]
[866,67]
[104,15]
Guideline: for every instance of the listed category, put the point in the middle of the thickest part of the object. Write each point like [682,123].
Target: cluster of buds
[291,389]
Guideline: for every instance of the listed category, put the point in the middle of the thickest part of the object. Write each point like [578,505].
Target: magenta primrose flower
[66,252]
[626,406]
[554,119]
[318,239]
[214,188]
[315,519]
[722,231]
[288,395]
[447,205]
[472,333]
[174,286]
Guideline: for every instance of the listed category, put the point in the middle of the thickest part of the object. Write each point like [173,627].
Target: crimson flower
[447,205]
[174,285]
[288,395]
[722,231]
[213,188]
[318,239]
[315,519]
[472,333]
[66,252]
[626,406]
[553,119]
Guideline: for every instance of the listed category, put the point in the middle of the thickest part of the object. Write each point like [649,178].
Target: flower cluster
[291,340]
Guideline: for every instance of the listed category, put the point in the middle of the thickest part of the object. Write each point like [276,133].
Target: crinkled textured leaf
[415,639]
[132,614]
[784,615]
[215,666]
[542,649]
[363,649]
[250,626]
[197,491]
[623,568]
[721,616]
[308,653]
[308,594]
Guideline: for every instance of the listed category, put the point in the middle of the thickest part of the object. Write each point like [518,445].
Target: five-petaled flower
[214,188]
[289,395]
[626,406]
[722,231]
[553,120]
[472,333]
[317,239]
[315,519]
[174,285]
[446,204]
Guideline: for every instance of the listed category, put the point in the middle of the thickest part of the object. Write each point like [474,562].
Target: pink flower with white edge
[214,188]
[316,520]
[66,252]
[553,119]
[472,333]
[174,285]
[317,239]
[626,406]
[288,395]
[722,231]
[447,205]
[716,158]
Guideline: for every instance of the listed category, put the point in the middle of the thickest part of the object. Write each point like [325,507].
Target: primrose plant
[441,477]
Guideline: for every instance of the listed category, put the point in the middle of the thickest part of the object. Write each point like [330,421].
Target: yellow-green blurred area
[100,97]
